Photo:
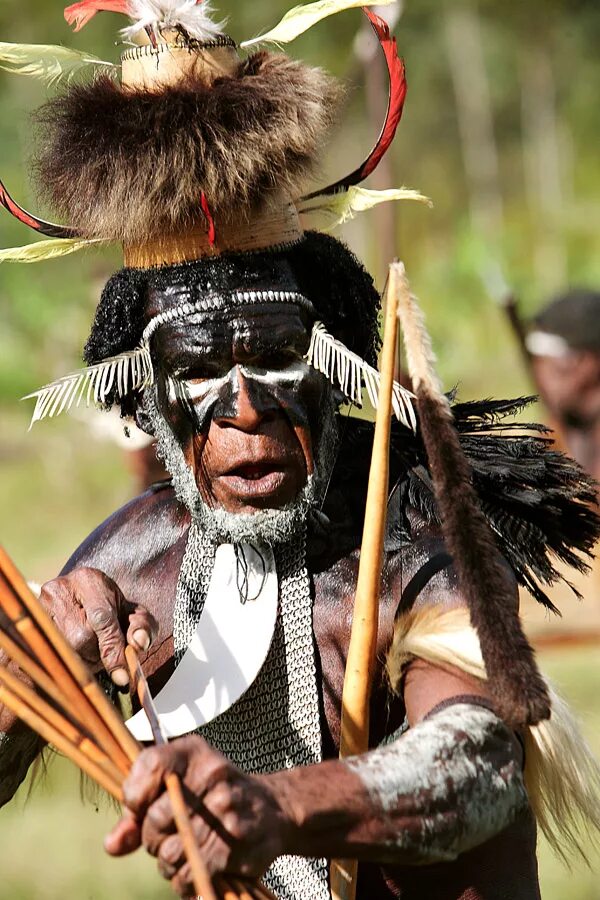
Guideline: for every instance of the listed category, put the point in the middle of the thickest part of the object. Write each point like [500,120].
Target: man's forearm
[449,784]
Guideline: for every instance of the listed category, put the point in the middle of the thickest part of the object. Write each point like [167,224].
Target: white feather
[132,371]
[40,251]
[341,208]
[349,372]
[193,17]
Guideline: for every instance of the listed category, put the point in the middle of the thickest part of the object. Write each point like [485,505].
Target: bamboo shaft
[241,889]
[109,724]
[200,875]
[58,721]
[52,736]
[226,891]
[363,637]
[360,663]
[55,664]
[31,668]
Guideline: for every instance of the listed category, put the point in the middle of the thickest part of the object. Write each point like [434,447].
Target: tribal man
[236,578]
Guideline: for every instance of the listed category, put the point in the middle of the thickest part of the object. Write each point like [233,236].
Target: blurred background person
[564,346]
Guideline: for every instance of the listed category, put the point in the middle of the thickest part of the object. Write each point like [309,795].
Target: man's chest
[154,585]
[334,592]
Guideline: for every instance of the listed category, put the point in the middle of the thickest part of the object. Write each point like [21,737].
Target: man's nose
[249,406]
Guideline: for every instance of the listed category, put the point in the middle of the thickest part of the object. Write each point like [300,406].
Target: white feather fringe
[133,370]
[126,372]
[562,775]
[192,16]
[348,371]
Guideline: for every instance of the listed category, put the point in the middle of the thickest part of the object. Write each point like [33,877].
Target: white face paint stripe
[197,390]
[289,378]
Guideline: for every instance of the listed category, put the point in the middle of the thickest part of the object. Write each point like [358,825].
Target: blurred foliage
[58,482]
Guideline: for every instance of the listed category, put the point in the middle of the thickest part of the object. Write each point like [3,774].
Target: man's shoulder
[136,535]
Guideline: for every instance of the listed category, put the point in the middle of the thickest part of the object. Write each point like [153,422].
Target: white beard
[273,526]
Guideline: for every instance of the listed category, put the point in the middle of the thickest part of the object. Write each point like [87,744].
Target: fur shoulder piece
[539,503]
[106,148]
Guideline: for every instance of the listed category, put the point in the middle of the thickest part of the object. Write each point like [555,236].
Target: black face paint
[204,360]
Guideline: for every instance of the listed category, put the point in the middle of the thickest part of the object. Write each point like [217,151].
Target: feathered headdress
[192,153]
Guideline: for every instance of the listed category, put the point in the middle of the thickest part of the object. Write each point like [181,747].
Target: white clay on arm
[450,783]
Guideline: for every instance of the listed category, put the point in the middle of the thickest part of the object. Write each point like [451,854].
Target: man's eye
[280,359]
[194,376]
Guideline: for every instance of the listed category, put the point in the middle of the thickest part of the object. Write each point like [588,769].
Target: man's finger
[142,629]
[171,854]
[124,838]
[182,882]
[145,782]
[103,618]
[158,824]
[104,605]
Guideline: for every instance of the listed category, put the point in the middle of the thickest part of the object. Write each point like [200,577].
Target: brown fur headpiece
[108,149]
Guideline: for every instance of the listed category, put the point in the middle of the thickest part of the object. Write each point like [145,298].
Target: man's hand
[97,620]
[239,823]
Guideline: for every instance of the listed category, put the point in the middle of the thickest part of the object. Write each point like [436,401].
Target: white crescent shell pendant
[228,648]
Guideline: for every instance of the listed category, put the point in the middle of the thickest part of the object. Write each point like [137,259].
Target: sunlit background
[500,129]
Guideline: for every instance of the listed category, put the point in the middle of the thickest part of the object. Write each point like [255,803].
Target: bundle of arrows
[69,709]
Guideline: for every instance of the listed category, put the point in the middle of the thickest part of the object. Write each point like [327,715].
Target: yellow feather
[48,62]
[344,206]
[301,18]
[43,250]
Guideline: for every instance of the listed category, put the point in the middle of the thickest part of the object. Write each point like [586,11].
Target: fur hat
[195,156]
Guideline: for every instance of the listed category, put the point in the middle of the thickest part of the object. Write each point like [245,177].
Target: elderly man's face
[242,402]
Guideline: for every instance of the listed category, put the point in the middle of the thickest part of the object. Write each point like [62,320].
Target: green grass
[58,482]
[52,847]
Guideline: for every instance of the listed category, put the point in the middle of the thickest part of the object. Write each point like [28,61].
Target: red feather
[80,13]
[397,94]
[212,234]
[39,225]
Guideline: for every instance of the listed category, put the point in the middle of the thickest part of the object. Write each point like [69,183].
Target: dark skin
[253,450]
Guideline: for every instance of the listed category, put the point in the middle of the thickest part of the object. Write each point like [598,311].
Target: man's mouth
[256,478]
